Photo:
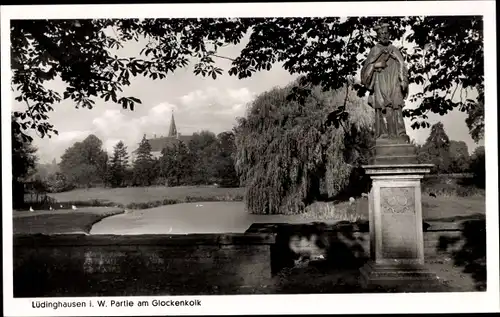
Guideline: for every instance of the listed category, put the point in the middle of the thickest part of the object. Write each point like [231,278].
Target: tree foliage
[475,118]
[436,149]
[24,157]
[285,149]
[84,163]
[224,163]
[210,156]
[459,157]
[448,156]
[203,148]
[118,165]
[176,164]
[24,161]
[478,166]
[144,164]
[446,58]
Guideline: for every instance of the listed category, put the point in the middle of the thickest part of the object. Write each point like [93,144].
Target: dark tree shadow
[297,269]
[35,277]
[345,247]
[326,247]
[472,217]
[471,250]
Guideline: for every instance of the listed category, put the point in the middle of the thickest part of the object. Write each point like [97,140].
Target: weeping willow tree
[286,152]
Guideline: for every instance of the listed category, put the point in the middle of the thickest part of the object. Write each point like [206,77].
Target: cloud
[159,114]
[242,94]
[210,109]
[214,99]
[71,136]
[163,108]
[195,97]
[50,148]
[108,144]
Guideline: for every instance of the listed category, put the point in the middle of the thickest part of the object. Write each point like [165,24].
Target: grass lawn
[451,209]
[147,197]
[60,221]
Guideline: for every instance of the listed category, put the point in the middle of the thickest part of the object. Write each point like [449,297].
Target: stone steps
[395,149]
[392,159]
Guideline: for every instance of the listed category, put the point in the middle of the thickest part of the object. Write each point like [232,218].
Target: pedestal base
[394,153]
[400,278]
[396,233]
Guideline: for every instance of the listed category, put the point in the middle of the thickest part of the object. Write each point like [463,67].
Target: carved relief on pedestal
[399,200]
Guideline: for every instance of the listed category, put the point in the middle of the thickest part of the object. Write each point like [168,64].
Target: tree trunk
[17,195]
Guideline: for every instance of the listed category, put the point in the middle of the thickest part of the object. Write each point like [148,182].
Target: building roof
[158,144]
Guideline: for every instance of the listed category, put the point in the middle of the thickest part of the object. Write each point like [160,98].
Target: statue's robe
[387,91]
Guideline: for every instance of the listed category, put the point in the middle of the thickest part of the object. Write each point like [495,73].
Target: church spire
[173,129]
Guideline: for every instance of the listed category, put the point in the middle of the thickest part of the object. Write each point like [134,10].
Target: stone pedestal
[389,154]
[396,233]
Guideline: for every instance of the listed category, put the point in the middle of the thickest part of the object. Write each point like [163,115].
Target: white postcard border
[271,304]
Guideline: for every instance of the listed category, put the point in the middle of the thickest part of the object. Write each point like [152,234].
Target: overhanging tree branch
[223,57]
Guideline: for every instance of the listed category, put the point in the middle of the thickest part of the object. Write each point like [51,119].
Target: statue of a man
[385,75]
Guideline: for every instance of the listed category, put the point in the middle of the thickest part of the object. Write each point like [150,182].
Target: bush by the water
[35,195]
[152,204]
[187,199]
[58,182]
[227,197]
[331,211]
[36,201]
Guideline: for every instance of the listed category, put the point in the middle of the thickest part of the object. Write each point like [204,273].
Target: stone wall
[198,264]
[101,265]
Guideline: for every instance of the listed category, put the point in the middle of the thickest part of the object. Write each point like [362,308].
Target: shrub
[227,197]
[330,211]
[152,204]
[58,182]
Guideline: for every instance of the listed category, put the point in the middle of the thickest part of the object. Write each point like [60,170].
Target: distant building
[173,137]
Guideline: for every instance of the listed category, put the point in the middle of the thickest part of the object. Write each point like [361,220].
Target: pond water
[201,217]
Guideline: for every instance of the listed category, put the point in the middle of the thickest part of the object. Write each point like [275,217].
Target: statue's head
[382,33]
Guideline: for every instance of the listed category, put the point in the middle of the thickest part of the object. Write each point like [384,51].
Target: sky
[198,104]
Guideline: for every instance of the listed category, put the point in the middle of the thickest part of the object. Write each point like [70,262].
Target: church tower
[172,132]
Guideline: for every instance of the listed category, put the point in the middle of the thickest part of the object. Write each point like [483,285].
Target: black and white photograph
[167,156]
